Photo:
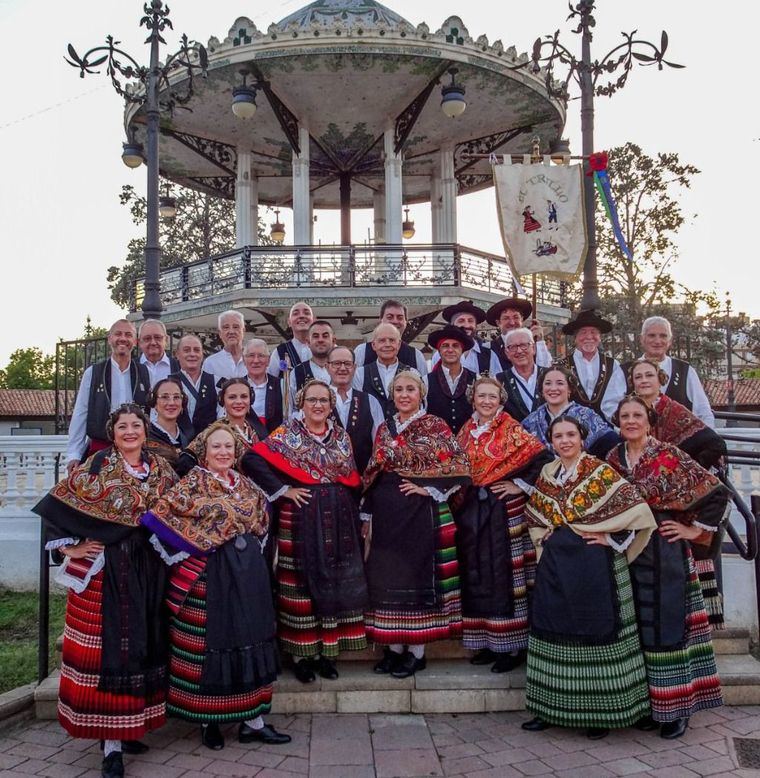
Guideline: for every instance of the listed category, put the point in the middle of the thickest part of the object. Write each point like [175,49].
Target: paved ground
[484,745]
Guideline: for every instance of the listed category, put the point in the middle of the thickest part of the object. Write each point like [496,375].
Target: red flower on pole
[598,161]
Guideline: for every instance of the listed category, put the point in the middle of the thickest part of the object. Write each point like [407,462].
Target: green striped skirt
[601,686]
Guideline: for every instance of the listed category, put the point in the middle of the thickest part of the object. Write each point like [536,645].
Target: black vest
[287,349]
[484,358]
[373,385]
[272,407]
[303,373]
[498,348]
[515,405]
[206,403]
[606,367]
[359,428]
[676,386]
[407,355]
[99,401]
[454,408]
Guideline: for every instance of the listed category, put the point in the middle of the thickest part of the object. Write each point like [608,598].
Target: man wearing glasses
[266,392]
[509,315]
[521,378]
[152,338]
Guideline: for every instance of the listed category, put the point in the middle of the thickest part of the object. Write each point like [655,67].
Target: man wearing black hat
[507,315]
[601,381]
[480,359]
[448,382]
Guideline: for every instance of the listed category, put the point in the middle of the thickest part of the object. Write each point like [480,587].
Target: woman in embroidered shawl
[306,468]
[556,386]
[115,583]
[412,567]
[688,504]
[496,556]
[166,402]
[585,665]
[223,656]
[678,426]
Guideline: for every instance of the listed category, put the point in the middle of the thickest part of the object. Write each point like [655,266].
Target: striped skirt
[187,638]
[710,592]
[420,626]
[685,680]
[83,711]
[300,630]
[600,686]
[506,634]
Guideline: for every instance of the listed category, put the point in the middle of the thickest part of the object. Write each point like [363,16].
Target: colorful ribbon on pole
[598,164]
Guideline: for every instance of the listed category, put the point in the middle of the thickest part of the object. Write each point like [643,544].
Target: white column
[435,206]
[301,220]
[243,226]
[254,210]
[393,190]
[311,219]
[448,229]
[378,205]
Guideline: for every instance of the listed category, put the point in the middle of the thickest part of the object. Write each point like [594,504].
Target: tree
[28,368]
[204,226]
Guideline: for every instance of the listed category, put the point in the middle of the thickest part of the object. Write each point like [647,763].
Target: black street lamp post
[154,79]
[730,360]
[593,77]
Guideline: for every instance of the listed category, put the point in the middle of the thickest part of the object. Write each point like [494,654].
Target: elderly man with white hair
[683,384]
[228,362]
[266,390]
[522,379]
[152,339]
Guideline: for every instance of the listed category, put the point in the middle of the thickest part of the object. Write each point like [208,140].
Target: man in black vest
[448,382]
[395,313]
[521,380]
[376,377]
[152,339]
[198,386]
[266,392]
[105,386]
[296,350]
[601,381]
[683,384]
[467,316]
[359,413]
[508,315]
[321,340]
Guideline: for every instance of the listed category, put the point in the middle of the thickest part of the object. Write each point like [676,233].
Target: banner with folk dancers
[542,217]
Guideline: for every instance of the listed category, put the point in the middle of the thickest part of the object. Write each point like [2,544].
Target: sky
[61,224]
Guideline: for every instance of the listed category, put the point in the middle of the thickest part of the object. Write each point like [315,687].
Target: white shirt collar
[163,361]
[115,364]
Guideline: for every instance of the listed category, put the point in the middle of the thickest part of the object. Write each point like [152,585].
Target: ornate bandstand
[346,105]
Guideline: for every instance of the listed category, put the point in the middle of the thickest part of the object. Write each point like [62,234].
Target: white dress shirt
[386,372]
[222,366]
[319,372]
[190,398]
[157,370]
[360,353]
[451,380]
[528,384]
[342,408]
[694,391]
[588,373]
[121,392]
[259,394]
[302,349]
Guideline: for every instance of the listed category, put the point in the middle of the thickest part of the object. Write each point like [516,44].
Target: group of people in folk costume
[221,512]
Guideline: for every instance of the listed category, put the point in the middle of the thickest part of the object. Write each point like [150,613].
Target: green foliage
[28,368]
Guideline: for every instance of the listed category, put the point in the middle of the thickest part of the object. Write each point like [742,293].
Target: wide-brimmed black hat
[587,319]
[450,332]
[465,306]
[513,303]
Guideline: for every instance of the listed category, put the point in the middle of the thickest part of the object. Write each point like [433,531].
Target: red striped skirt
[83,711]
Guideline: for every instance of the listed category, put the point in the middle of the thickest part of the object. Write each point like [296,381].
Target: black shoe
[596,733]
[535,725]
[646,724]
[113,766]
[409,665]
[304,671]
[326,668]
[390,661]
[211,737]
[130,746]
[670,730]
[507,662]
[265,734]
[484,657]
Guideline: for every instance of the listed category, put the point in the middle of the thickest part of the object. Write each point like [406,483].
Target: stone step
[731,641]
[446,686]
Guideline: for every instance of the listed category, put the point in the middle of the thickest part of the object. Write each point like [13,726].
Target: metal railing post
[755,500]
[247,267]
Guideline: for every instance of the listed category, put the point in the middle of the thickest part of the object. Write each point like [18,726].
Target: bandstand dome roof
[347,70]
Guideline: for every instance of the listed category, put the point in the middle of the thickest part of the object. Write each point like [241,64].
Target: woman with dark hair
[166,402]
[113,664]
[412,567]
[223,657]
[585,665]
[496,556]
[557,387]
[306,468]
[688,504]
[677,425]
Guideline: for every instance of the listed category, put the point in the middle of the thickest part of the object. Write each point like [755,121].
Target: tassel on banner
[598,164]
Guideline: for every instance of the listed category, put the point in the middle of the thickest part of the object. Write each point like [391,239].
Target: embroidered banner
[542,217]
